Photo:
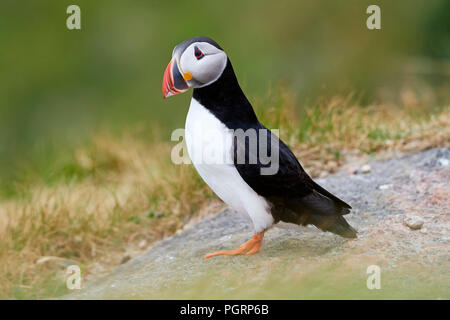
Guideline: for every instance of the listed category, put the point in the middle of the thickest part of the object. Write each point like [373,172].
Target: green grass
[306,279]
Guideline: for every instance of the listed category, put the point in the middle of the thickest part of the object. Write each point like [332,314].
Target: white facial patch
[205,70]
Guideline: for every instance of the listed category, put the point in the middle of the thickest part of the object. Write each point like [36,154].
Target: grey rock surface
[303,262]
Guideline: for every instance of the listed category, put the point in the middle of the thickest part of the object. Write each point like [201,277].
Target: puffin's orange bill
[173,81]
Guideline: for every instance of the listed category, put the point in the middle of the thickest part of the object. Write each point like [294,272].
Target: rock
[413,222]
[306,263]
[385,186]
[443,162]
[365,168]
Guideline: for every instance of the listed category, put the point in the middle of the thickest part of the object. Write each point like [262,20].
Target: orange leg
[250,247]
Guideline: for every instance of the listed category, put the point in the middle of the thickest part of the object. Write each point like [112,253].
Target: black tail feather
[342,228]
[321,211]
[332,223]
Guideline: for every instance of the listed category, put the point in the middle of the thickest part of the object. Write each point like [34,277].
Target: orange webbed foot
[250,247]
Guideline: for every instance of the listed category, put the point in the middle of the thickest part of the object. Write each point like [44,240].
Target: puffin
[232,164]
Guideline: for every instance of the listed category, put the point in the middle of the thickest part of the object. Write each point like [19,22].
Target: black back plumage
[294,196]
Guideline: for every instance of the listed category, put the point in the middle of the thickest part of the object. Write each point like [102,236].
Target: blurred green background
[58,87]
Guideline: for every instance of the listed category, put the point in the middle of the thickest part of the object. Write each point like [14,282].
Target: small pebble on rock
[385,186]
[443,162]
[365,168]
[413,222]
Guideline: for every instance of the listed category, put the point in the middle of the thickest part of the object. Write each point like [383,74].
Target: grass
[118,192]
[333,279]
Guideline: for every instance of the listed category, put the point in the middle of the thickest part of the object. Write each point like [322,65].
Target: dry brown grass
[128,193]
[338,131]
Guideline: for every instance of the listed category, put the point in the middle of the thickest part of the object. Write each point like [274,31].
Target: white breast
[209,144]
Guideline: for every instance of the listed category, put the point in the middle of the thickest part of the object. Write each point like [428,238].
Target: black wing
[295,196]
[289,180]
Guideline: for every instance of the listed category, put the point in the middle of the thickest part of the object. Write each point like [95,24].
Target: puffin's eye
[198,53]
